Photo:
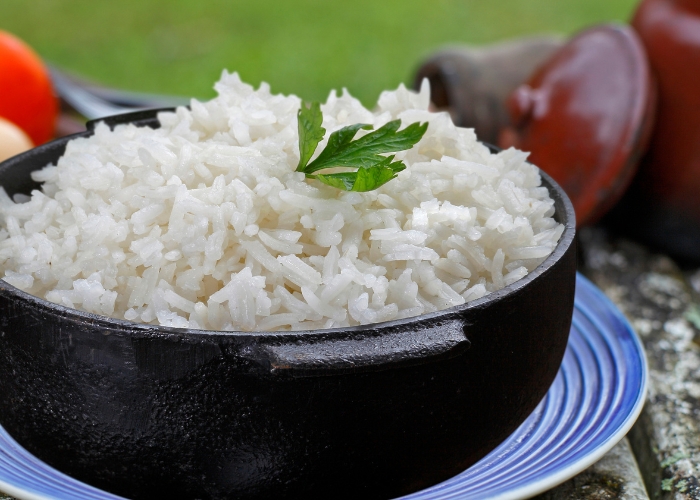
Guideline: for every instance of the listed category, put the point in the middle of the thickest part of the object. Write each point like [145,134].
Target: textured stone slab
[614,477]
[662,306]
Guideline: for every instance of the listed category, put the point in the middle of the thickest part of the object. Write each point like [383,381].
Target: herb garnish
[363,154]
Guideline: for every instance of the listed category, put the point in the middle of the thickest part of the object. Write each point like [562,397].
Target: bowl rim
[565,216]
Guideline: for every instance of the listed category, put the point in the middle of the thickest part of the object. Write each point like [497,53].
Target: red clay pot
[586,116]
[665,197]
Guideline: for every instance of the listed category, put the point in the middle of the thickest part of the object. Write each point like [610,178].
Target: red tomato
[26,95]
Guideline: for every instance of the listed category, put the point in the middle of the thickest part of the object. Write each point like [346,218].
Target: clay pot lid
[586,116]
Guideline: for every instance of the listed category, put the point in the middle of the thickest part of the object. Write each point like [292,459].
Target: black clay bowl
[374,411]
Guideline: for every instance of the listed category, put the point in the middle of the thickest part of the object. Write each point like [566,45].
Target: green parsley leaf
[310,131]
[364,154]
[365,179]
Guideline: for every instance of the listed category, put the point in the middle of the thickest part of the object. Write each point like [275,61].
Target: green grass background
[306,47]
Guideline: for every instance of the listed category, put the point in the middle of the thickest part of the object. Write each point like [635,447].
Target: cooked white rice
[203,223]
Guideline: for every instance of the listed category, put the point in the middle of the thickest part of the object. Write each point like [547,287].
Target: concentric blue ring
[591,405]
[596,397]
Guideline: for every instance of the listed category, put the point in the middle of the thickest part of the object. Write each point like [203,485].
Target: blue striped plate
[596,397]
[591,405]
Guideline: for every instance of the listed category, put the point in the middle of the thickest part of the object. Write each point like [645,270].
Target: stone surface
[657,297]
[614,477]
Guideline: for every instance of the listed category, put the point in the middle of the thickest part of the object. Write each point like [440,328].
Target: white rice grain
[203,223]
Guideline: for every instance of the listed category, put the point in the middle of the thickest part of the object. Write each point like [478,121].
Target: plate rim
[558,477]
[547,483]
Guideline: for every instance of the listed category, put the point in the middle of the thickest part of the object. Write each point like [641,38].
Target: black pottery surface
[369,412]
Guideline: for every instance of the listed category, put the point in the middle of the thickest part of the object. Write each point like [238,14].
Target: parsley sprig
[364,154]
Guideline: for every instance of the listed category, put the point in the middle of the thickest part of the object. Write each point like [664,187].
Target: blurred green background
[306,47]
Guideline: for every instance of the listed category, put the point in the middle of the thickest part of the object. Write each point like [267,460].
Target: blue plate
[596,397]
[593,402]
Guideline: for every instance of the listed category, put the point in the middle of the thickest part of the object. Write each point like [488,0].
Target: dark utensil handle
[379,349]
[141,118]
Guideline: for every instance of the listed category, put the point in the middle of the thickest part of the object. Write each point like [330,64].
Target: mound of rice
[204,224]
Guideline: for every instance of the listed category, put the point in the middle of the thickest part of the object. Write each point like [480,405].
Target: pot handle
[380,349]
